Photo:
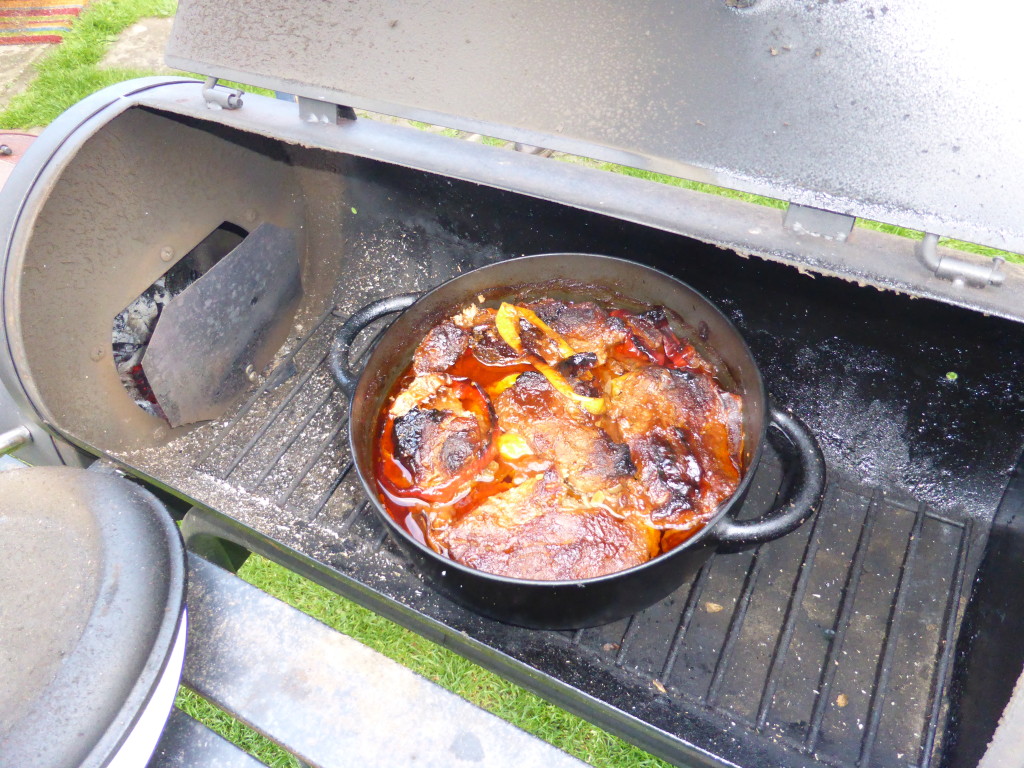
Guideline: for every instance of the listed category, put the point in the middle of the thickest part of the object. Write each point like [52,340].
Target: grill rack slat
[692,599]
[786,634]
[286,446]
[285,496]
[940,678]
[889,642]
[249,403]
[842,623]
[735,625]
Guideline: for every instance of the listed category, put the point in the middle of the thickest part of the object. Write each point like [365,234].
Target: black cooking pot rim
[691,543]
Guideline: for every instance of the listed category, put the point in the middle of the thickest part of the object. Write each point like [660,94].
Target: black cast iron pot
[581,277]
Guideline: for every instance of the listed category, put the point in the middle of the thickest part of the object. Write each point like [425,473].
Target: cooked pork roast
[557,440]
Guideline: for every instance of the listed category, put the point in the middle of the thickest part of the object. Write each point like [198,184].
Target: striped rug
[37,21]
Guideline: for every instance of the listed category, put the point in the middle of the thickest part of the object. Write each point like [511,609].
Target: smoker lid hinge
[324,112]
[223,98]
[960,271]
[805,220]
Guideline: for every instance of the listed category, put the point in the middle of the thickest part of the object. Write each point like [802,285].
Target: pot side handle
[803,487]
[338,362]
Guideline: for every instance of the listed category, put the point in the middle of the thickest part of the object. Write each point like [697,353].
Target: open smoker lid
[909,113]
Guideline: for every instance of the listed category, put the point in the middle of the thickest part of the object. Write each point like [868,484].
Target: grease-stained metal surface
[97,244]
[232,320]
[329,699]
[754,652]
[901,112]
[866,257]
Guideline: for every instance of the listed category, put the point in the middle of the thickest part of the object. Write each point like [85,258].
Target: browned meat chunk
[485,342]
[537,531]
[440,348]
[669,476]
[584,325]
[558,440]
[683,437]
[440,432]
[556,429]
[578,370]
[436,446]
[644,328]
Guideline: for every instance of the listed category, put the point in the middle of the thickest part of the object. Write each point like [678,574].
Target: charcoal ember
[132,330]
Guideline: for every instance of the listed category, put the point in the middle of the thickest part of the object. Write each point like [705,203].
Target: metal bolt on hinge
[960,271]
[223,98]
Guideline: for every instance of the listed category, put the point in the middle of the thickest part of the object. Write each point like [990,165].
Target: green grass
[69,71]
[449,670]
[238,734]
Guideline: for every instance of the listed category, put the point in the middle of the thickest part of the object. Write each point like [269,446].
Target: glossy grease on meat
[683,438]
[558,440]
[584,454]
[436,446]
[537,531]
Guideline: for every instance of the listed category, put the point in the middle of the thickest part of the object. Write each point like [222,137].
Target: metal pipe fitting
[13,439]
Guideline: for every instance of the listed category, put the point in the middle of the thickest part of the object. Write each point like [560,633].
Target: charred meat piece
[440,348]
[485,343]
[538,531]
[678,418]
[438,435]
[584,325]
[578,370]
[666,493]
[436,446]
[583,453]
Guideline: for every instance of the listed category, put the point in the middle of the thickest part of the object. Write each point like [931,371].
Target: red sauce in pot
[556,440]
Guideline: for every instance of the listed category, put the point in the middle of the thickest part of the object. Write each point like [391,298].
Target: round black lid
[93,575]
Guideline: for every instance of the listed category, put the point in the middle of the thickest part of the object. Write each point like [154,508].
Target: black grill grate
[833,644]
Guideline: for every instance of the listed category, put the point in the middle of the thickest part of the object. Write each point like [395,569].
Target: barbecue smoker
[885,631]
